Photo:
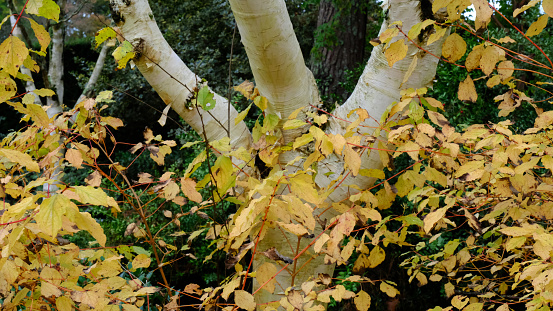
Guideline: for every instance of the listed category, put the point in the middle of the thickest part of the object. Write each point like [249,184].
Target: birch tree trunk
[55,68]
[282,77]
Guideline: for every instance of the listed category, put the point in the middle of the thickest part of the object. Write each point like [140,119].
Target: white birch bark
[378,87]
[55,69]
[95,73]
[283,78]
[170,77]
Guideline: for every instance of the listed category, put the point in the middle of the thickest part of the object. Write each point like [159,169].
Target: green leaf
[205,99]
[50,10]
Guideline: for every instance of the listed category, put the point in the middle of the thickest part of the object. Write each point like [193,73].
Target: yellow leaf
[438,34]
[13,53]
[49,216]
[91,195]
[376,257]
[547,6]
[123,54]
[543,120]
[296,229]
[473,59]
[436,176]
[141,261]
[304,187]
[320,242]
[293,124]
[525,7]
[64,303]
[483,13]
[411,68]
[490,56]
[352,160]
[21,158]
[396,52]
[505,69]
[449,289]
[264,274]
[467,91]
[432,218]
[537,26]
[242,115]
[244,300]
[85,222]
[372,172]
[74,157]
[261,102]
[346,223]
[477,306]
[302,140]
[526,230]
[454,47]
[469,167]
[388,289]
[230,287]
[362,301]
[434,103]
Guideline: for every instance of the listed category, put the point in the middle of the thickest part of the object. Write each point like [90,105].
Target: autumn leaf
[13,53]
[388,289]
[547,6]
[141,261]
[21,158]
[396,52]
[467,91]
[537,27]
[264,274]
[49,216]
[41,34]
[362,301]
[432,218]
[244,300]
[454,47]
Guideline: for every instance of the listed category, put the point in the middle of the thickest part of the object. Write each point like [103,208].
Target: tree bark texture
[343,45]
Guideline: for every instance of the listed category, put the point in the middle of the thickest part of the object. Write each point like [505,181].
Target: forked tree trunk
[343,47]
[282,77]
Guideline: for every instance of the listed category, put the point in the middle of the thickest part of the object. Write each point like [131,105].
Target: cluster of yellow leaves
[39,268]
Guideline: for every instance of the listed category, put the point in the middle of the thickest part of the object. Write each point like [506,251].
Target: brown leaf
[273,254]
[94,179]
[193,289]
[467,91]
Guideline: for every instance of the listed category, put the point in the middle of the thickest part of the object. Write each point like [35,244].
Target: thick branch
[169,76]
[275,57]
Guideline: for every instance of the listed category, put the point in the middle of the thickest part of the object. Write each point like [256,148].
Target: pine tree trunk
[343,47]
